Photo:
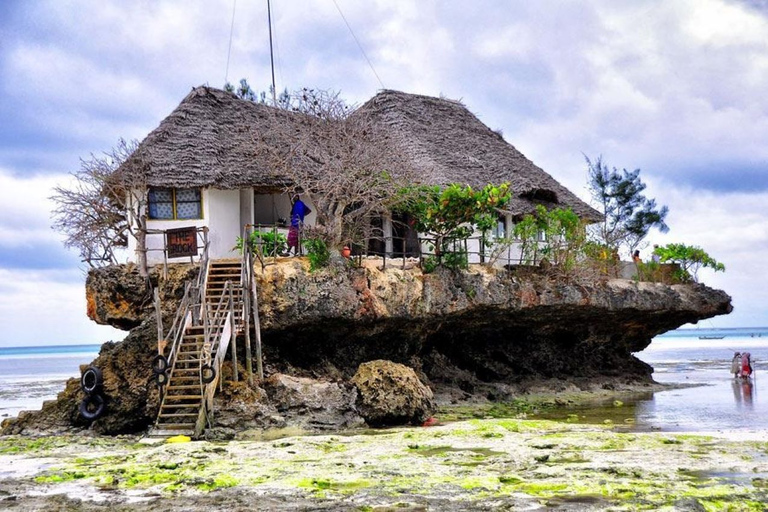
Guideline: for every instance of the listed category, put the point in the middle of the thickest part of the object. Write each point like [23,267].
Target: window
[174,203]
[500,229]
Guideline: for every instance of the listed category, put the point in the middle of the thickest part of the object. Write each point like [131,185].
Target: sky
[677,88]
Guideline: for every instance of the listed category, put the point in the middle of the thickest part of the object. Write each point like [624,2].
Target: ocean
[31,375]
[716,402]
[699,357]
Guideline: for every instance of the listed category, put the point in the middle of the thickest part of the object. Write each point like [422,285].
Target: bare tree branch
[339,157]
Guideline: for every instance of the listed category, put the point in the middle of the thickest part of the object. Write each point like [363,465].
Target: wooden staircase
[183,406]
[219,272]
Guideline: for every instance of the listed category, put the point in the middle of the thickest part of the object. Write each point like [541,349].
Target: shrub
[317,252]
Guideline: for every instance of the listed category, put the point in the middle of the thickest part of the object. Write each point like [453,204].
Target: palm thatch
[208,141]
[447,144]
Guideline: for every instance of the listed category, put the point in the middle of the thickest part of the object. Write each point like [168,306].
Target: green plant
[557,235]
[450,216]
[317,252]
[429,264]
[627,214]
[271,243]
[690,258]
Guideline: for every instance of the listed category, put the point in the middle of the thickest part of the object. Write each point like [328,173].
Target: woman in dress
[746,365]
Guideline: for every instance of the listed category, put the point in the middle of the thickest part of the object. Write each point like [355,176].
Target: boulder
[313,404]
[391,394]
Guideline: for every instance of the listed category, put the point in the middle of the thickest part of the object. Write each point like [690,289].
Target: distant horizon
[94,344]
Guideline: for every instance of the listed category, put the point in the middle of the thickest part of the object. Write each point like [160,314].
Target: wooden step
[183,397]
[178,415]
[184,386]
[196,405]
[177,425]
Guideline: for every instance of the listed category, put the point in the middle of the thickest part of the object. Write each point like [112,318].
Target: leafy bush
[557,235]
[690,258]
[317,252]
[271,243]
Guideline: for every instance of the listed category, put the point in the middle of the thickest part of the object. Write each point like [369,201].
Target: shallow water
[718,402]
[31,375]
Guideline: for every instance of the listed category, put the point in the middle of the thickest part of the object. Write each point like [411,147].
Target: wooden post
[257,329]
[159,320]
[244,289]
[233,338]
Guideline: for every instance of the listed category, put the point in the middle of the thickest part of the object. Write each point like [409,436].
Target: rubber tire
[91,380]
[92,400]
[161,379]
[207,374]
[159,364]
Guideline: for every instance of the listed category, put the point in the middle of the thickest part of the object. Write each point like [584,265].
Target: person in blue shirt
[299,210]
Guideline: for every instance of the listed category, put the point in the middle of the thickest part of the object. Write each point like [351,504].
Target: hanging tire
[159,364]
[91,380]
[92,407]
[161,379]
[207,373]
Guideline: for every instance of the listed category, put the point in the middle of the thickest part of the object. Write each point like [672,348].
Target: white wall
[223,213]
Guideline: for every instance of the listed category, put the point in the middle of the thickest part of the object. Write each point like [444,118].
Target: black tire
[161,379]
[159,364]
[91,380]
[207,374]
[92,407]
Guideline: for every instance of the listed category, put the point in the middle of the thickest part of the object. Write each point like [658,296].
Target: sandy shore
[479,464]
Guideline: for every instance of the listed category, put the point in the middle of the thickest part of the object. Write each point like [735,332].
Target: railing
[218,333]
[203,243]
[502,251]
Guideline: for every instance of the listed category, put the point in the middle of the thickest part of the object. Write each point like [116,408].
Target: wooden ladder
[183,399]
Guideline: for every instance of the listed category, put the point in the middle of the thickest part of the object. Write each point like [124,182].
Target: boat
[711,337]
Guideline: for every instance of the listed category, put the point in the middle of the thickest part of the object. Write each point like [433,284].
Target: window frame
[174,202]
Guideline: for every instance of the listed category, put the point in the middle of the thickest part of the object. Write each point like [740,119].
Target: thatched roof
[447,144]
[208,141]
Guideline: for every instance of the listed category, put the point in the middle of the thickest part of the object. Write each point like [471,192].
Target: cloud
[674,88]
[42,298]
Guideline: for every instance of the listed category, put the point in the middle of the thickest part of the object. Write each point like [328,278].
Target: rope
[359,45]
[229,50]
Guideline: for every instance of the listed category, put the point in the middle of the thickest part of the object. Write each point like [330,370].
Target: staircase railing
[250,304]
[219,331]
[190,308]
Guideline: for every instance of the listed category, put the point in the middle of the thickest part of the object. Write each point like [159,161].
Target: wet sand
[479,464]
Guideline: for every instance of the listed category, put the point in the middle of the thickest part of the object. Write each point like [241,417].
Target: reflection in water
[743,390]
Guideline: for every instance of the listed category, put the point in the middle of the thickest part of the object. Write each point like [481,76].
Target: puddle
[729,477]
[432,451]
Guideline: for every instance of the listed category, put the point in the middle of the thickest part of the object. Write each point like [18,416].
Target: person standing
[736,365]
[299,211]
[746,365]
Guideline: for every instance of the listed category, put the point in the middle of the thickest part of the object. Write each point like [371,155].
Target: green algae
[475,460]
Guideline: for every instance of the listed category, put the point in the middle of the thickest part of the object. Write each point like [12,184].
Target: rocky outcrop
[391,394]
[483,333]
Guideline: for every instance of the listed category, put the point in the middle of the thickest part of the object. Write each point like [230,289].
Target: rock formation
[391,394]
[483,333]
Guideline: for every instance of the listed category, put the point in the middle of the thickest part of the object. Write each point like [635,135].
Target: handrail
[219,322]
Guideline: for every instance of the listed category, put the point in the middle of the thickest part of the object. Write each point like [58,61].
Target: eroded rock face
[481,333]
[313,404]
[391,394]
[118,296]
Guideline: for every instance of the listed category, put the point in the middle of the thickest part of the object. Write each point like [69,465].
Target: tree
[450,214]
[628,215]
[690,258]
[339,157]
[92,214]
[563,237]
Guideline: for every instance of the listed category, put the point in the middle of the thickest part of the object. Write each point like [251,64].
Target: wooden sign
[181,242]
